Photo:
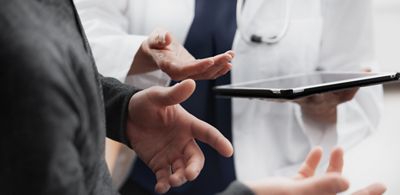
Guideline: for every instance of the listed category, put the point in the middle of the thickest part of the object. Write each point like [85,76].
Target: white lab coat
[116,29]
[268,137]
[333,35]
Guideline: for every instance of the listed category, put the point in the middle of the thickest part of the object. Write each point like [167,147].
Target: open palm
[305,183]
[163,134]
[172,58]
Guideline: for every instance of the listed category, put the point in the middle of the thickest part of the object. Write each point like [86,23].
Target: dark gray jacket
[53,119]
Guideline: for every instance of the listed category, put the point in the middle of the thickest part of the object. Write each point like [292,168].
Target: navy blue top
[211,33]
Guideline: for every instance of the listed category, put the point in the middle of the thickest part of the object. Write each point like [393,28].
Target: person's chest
[143,17]
[298,23]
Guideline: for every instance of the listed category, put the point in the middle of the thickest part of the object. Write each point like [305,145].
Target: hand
[305,182]
[161,51]
[163,134]
[322,108]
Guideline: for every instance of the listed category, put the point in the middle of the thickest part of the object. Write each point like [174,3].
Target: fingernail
[163,188]
[231,53]
[160,39]
[183,180]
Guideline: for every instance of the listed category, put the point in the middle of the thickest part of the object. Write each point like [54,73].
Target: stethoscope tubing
[253,38]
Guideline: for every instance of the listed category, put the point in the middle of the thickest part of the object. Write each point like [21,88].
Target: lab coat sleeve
[106,24]
[347,45]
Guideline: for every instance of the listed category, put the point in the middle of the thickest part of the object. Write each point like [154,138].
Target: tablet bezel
[238,90]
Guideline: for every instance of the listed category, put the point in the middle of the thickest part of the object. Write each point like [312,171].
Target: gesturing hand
[163,134]
[161,51]
[305,183]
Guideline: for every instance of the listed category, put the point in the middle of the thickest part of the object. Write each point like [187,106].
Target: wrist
[143,61]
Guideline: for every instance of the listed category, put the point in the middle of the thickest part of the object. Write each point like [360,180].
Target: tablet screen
[290,82]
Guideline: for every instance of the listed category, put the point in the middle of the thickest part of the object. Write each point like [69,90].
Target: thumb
[327,184]
[159,39]
[373,189]
[176,94]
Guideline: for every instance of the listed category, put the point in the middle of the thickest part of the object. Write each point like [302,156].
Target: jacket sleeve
[347,45]
[116,100]
[38,121]
[106,24]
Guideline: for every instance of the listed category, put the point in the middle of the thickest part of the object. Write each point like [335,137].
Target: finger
[217,64]
[231,53]
[195,160]
[327,184]
[346,95]
[211,73]
[192,68]
[162,176]
[159,39]
[336,160]
[373,189]
[178,177]
[196,71]
[176,94]
[221,65]
[313,100]
[224,57]
[307,169]
[211,136]
[225,70]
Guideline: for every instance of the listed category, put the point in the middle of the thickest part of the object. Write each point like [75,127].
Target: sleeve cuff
[114,54]
[146,80]
[116,99]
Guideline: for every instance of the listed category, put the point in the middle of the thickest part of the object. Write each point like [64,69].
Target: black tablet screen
[303,80]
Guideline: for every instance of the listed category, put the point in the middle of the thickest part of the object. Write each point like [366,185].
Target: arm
[107,27]
[116,99]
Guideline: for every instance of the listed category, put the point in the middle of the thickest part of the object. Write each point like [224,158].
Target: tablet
[298,86]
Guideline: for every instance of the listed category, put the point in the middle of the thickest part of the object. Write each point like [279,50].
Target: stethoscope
[254,38]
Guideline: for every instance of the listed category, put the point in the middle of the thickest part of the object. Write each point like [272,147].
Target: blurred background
[378,157]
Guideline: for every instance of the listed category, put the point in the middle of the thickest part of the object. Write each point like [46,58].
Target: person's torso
[176,16]
[268,136]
